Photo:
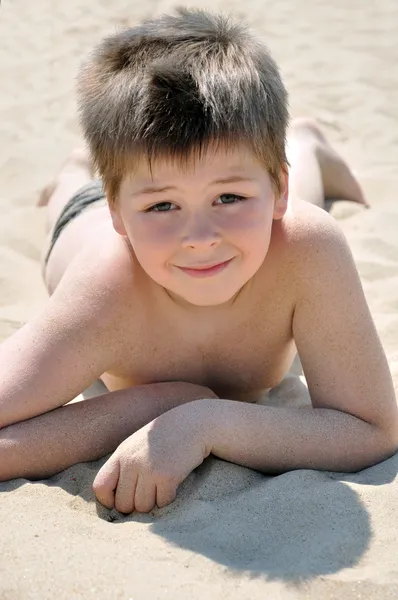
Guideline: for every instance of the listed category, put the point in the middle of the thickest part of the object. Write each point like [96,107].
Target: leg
[317,171]
[76,171]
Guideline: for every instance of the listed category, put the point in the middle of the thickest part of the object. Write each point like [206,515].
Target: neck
[206,311]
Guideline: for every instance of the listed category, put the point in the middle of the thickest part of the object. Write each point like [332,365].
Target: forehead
[235,160]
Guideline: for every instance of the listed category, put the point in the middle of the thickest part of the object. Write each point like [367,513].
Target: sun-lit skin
[164,357]
[219,207]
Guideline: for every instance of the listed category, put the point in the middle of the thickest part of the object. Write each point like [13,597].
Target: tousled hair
[175,84]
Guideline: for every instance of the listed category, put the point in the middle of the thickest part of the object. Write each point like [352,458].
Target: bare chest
[237,358]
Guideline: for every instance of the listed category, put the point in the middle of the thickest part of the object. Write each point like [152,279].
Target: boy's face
[220,209]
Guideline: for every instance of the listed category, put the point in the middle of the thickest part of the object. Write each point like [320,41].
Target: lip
[205,271]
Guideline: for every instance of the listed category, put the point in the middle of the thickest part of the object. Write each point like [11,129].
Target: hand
[147,468]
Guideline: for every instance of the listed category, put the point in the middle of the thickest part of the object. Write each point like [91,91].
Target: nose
[200,233]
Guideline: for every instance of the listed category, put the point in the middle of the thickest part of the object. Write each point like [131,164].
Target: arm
[62,350]
[354,420]
[73,340]
[50,360]
[275,440]
[87,430]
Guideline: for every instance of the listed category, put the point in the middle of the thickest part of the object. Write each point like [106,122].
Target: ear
[281,199]
[117,221]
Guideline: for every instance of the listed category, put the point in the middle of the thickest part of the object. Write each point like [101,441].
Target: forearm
[273,439]
[87,430]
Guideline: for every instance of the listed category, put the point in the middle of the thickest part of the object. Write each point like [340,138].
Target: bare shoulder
[99,281]
[340,350]
[101,263]
[305,244]
[71,342]
[308,246]
[311,234]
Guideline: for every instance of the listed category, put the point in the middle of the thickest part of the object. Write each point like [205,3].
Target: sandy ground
[232,533]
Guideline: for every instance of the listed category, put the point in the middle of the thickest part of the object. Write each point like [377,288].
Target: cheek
[153,243]
[252,223]
[153,232]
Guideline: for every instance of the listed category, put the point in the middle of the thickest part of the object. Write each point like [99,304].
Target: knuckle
[164,478]
[166,496]
[124,507]
[98,486]
[143,506]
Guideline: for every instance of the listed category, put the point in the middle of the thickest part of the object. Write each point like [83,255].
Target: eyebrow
[153,189]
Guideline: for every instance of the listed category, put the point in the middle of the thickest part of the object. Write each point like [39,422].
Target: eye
[160,207]
[230,198]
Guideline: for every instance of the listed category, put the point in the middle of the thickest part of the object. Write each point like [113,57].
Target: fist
[147,468]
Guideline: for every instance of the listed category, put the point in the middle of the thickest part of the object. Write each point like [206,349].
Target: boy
[190,288]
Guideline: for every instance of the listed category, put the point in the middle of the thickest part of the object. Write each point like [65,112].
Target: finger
[165,494]
[106,481]
[145,494]
[124,497]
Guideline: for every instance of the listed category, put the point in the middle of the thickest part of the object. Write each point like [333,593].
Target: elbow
[388,432]
[390,437]
[385,444]
[377,445]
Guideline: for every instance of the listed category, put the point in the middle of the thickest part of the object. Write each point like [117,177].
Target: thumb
[105,483]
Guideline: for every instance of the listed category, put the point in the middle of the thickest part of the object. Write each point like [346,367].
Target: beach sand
[232,533]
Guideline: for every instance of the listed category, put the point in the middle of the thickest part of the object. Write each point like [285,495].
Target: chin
[207,300]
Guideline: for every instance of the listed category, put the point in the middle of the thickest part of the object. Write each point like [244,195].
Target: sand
[232,533]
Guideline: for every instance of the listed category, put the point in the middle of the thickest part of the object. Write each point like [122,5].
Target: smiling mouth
[206,267]
[204,270]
